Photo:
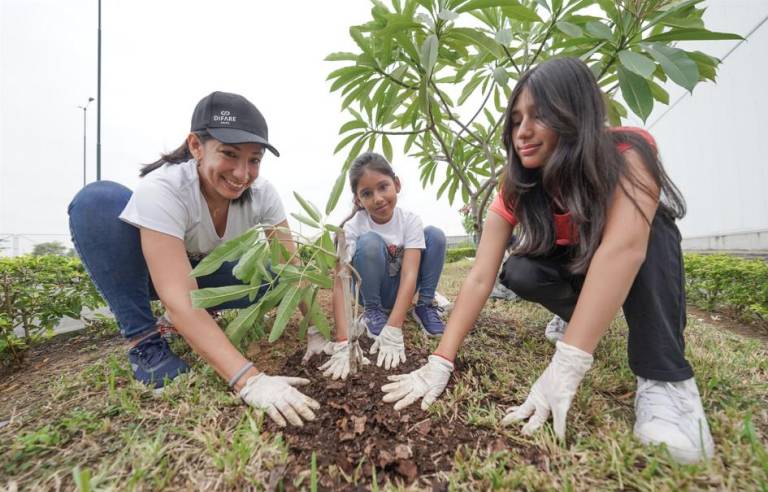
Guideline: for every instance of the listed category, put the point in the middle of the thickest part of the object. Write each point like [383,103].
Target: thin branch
[393,79]
[450,114]
[456,169]
[477,113]
[512,60]
[415,132]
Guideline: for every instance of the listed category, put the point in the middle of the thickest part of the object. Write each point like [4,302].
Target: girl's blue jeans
[110,250]
[378,289]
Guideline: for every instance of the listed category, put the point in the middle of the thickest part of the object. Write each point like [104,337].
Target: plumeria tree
[433,76]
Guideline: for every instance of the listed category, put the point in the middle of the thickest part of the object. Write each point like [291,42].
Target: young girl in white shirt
[395,257]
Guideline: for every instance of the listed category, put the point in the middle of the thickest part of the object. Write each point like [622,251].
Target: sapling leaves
[226,251]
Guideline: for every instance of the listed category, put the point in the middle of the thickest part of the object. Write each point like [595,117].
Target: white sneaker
[555,329]
[443,303]
[500,291]
[671,413]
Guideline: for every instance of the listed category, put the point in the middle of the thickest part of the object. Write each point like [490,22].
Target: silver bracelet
[239,374]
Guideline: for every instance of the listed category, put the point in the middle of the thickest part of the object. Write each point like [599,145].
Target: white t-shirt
[169,200]
[403,230]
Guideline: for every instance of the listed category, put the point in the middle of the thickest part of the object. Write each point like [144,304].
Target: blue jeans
[110,250]
[378,289]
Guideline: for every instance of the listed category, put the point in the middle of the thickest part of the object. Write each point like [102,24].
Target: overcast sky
[158,59]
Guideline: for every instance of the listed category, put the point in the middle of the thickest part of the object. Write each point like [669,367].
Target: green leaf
[470,87]
[341,56]
[477,38]
[447,15]
[658,92]
[308,207]
[599,30]
[305,220]
[226,251]
[326,242]
[287,307]
[503,36]
[570,29]
[671,11]
[519,12]
[333,199]
[213,296]
[386,147]
[361,42]
[246,267]
[346,141]
[692,35]
[640,64]
[428,54]
[500,75]
[317,278]
[352,125]
[636,92]
[676,64]
[320,321]
[245,319]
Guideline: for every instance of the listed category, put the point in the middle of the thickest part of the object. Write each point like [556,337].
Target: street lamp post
[85,149]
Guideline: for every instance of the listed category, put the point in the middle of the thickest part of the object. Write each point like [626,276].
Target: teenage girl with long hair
[595,215]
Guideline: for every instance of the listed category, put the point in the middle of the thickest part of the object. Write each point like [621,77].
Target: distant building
[714,143]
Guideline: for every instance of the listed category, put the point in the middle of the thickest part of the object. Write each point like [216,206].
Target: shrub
[455,254]
[729,283]
[36,292]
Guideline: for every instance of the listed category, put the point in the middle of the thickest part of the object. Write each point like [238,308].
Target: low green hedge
[36,292]
[455,254]
[738,286]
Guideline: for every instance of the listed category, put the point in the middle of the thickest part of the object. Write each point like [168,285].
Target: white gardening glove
[390,346]
[428,381]
[553,391]
[277,396]
[338,365]
[316,344]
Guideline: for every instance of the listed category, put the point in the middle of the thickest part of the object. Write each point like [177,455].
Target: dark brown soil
[728,322]
[354,428]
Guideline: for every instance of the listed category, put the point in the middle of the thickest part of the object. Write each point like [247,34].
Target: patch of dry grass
[97,429]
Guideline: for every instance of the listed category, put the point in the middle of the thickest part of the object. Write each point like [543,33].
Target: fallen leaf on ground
[407,468]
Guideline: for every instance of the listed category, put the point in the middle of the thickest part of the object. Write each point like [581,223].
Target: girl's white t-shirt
[169,200]
[404,229]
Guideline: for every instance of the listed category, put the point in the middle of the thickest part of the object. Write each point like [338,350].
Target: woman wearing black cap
[141,246]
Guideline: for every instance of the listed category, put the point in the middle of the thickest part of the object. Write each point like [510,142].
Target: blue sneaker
[428,316]
[152,361]
[375,320]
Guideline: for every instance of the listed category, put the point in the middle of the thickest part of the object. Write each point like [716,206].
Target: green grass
[97,429]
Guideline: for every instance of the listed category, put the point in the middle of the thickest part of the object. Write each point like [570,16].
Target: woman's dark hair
[368,161]
[183,154]
[584,169]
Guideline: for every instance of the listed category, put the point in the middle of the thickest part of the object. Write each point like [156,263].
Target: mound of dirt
[355,428]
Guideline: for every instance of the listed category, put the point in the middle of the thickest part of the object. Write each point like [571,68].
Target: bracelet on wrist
[239,374]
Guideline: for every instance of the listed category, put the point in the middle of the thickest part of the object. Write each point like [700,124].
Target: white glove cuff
[444,364]
[572,357]
[249,383]
[338,346]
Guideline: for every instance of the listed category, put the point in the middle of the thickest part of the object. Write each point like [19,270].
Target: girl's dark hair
[584,168]
[368,161]
[183,154]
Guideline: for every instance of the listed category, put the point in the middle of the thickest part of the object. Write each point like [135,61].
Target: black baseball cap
[232,119]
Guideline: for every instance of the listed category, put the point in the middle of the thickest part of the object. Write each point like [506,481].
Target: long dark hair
[584,168]
[367,161]
[183,154]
